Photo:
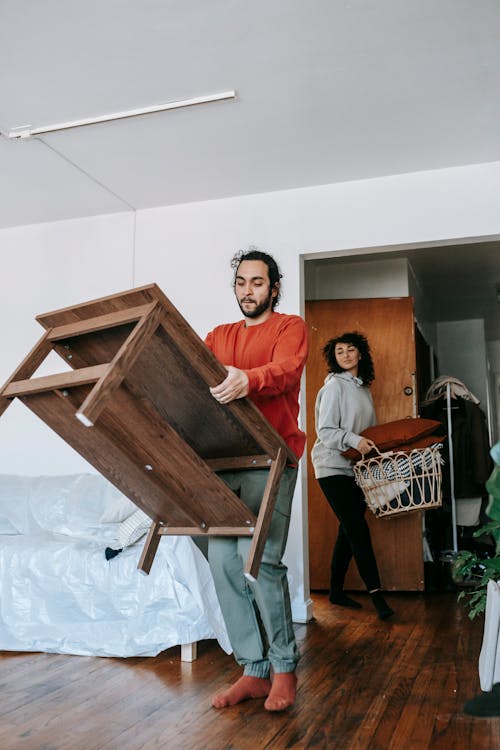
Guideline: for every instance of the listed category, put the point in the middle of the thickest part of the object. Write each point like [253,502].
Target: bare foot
[243,689]
[283,691]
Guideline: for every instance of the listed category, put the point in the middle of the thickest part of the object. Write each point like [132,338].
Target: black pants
[353,540]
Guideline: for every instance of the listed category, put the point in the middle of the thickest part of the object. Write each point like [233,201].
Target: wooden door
[389,327]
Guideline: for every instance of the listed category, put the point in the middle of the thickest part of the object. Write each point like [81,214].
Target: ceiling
[326,91]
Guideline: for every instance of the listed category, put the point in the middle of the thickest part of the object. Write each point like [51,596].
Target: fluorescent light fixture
[26,131]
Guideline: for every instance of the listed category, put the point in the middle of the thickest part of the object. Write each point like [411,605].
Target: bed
[60,594]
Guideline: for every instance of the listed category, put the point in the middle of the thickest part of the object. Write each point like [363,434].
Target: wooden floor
[362,684]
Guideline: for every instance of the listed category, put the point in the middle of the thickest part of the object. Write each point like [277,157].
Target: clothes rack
[468,445]
[452,469]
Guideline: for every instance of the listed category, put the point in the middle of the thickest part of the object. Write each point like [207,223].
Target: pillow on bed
[130,531]
[133,528]
[77,505]
[401,432]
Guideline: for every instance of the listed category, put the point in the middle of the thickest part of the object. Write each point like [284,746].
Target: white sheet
[60,594]
[489,658]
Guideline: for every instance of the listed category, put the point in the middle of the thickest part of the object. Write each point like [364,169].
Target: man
[264,355]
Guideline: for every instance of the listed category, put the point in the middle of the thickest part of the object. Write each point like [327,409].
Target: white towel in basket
[383,494]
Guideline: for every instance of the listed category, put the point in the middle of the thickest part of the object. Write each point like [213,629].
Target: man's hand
[233,387]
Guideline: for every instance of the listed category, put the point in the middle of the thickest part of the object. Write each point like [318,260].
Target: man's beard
[259,309]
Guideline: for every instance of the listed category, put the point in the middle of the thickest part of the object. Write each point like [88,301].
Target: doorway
[388,325]
[419,272]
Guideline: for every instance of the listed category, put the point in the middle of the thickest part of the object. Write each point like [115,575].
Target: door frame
[354,252]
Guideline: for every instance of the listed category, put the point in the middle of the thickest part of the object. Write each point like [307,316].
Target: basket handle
[380,454]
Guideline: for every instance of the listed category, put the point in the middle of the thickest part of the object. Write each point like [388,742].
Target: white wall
[462,354]
[186,250]
[327,279]
[44,267]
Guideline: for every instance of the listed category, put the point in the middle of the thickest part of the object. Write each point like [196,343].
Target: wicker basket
[401,481]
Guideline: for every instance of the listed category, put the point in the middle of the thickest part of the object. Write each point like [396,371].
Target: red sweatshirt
[273,355]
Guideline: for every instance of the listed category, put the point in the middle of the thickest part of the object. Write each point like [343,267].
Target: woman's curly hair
[366,370]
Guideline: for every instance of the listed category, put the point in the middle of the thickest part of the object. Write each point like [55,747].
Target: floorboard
[363,684]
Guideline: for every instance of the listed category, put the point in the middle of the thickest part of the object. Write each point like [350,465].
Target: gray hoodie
[344,408]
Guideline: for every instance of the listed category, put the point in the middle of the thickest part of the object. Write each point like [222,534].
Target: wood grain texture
[156,469]
[149,423]
[100,323]
[26,368]
[363,685]
[265,515]
[194,367]
[69,379]
[150,548]
[121,362]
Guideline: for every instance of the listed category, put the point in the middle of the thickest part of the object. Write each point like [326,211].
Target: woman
[344,408]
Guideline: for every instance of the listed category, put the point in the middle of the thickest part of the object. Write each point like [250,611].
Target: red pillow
[423,442]
[392,435]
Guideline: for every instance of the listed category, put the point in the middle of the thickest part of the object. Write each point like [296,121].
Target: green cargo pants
[257,613]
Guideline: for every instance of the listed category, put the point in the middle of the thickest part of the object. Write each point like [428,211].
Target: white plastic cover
[489,658]
[60,594]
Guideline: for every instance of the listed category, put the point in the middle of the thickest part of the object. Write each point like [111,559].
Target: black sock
[380,604]
[109,553]
[339,598]
[485,704]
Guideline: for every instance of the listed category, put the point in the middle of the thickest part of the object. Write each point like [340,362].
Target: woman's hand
[365,446]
